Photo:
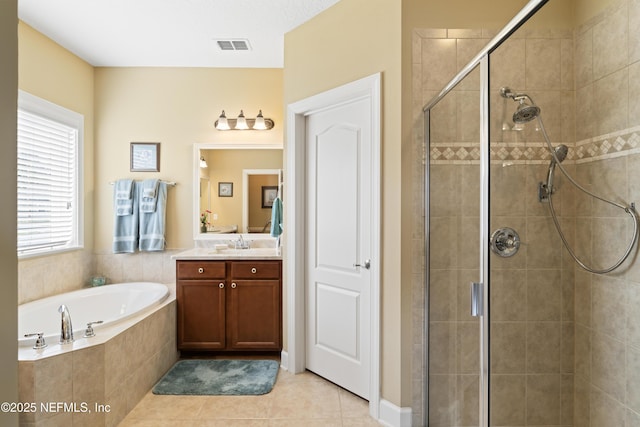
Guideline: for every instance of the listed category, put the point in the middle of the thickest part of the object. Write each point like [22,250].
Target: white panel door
[339,207]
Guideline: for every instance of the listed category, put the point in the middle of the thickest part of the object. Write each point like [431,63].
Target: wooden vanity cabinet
[232,305]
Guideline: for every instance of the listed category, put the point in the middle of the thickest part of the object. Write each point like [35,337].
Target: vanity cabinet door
[201,304]
[254,315]
[201,314]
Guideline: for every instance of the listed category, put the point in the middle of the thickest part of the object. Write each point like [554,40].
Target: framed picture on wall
[225,189]
[269,194]
[145,157]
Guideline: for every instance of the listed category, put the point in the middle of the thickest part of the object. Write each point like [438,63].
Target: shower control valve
[505,242]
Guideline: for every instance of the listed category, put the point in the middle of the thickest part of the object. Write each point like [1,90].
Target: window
[49,177]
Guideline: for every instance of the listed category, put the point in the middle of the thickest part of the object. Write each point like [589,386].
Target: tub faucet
[66,329]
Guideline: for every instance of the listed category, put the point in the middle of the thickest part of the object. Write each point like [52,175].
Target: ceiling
[170,33]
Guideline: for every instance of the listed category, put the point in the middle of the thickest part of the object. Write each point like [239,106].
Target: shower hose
[630,210]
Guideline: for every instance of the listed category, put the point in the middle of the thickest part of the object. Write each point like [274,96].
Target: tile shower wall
[607,333]
[544,356]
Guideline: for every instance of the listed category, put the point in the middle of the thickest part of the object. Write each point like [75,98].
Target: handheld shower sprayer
[560,152]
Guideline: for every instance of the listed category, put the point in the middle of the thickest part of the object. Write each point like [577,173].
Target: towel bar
[171,183]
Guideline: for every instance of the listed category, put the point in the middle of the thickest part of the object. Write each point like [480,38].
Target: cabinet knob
[254,270]
[201,270]
[221,285]
[233,285]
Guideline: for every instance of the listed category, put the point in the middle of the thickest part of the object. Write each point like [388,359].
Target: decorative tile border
[607,146]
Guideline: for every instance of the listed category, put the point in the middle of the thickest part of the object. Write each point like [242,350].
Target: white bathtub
[113,304]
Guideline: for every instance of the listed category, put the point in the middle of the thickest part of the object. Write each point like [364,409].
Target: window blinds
[47,182]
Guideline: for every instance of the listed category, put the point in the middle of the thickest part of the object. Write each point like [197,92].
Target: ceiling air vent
[235,44]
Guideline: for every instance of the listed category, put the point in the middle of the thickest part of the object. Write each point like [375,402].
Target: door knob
[366,264]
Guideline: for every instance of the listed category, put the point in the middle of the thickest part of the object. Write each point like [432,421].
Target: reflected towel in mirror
[276,218]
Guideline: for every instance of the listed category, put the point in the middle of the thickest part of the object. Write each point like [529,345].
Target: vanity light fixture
[243,123]
[222,122]
[203,163]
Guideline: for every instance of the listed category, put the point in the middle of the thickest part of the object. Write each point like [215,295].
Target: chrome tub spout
[66,329]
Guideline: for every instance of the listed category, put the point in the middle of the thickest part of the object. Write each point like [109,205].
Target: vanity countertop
[215,254]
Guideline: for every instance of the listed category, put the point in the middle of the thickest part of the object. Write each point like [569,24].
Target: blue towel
[149,195]
[123,195]
[276,218]
[153,224]
[125,227]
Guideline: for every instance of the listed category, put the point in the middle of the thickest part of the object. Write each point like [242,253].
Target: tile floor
[296,400]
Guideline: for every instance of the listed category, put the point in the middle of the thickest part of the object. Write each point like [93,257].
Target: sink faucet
[66,329]
[241,243]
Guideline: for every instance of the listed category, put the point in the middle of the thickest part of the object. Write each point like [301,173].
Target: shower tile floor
[296,400]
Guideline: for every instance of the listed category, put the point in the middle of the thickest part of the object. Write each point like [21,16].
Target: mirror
[205,195]
[236,188]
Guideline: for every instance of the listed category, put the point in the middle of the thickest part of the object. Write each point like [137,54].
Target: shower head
[525,112]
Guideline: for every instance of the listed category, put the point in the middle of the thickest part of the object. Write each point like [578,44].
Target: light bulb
[259,123]
[221,123]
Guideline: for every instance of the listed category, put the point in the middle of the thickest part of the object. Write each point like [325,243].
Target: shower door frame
[481,60]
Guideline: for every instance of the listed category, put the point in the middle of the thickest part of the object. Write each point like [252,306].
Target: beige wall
[351,40]
[176,107]
[8,262]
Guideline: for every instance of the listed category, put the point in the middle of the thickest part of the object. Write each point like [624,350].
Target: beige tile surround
[565,342]
[69,271]
[117,373]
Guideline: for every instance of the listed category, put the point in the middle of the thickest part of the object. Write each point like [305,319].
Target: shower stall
[530,313]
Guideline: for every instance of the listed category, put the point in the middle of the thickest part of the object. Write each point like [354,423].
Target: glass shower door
[453,246]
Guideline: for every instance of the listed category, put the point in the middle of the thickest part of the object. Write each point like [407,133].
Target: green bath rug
[219,377]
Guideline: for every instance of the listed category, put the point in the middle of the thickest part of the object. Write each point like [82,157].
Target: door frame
[295,222]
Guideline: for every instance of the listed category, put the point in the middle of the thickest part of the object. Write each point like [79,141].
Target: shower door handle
[477,292]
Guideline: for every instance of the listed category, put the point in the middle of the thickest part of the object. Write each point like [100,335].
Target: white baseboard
[284,360]
[394,416]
